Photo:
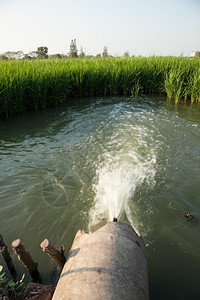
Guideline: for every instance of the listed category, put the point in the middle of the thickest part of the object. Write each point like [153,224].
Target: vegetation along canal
[79,165]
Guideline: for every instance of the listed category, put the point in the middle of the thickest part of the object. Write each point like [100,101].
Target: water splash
[119,173]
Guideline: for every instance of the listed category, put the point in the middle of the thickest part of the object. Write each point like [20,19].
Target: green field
[35,84]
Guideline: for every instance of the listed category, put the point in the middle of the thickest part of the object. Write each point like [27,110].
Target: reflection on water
[80,165]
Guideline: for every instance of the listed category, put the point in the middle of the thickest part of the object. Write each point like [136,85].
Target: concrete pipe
[107,264]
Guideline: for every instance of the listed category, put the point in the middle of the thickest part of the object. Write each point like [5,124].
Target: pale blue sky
[143,27]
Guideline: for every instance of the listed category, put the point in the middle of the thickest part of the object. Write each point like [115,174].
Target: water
[80,165]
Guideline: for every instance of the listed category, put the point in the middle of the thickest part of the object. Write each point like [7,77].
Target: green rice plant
[136,90]
[195,87]
[36,84]
[169,84]
[173,85]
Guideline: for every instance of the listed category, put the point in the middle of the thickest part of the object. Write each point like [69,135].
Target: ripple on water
[79,166]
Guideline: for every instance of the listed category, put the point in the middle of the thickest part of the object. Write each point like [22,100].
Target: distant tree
[27,57]
[197,54]
[105,52]
[55,56]
[73,52]
[98,55]
[3,57]
[126,54]
[82,53]
[42,52]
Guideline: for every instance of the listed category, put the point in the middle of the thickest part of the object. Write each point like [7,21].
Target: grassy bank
[26,85]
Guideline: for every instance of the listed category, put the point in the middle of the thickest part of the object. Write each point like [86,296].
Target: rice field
[37,84]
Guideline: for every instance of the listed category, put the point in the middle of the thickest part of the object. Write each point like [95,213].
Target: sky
[141,27]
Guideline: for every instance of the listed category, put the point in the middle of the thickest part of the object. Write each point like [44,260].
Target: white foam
[120,172]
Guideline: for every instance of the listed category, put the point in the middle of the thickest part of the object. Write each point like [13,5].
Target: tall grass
[26,85]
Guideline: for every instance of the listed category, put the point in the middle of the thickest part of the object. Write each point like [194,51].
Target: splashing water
[120,172]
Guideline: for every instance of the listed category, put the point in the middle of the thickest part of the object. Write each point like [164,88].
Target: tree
[126,54]
[3,57]
[27,57]
[73,52]
[82,53]
[197,54]
[55,56]
[105,52]
[42,52]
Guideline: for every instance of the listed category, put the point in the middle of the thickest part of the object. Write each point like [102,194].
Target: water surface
[81,164]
